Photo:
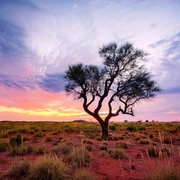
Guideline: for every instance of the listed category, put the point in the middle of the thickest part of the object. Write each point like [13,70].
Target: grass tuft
[50,168]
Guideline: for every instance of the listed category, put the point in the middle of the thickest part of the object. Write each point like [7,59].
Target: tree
[118,85]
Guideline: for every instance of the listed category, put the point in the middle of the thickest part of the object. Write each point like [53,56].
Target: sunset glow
[40,39]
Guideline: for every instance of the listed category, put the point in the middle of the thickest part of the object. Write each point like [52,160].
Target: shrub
[49,168]
[112,127]
[3,145]
[118,153]
[39,134]
[21,150]
[63,148]
[87,141]
[40,149]
[122,144]
[84,175]
[18,169]
[131,128]
[15,141]
[144,141]
[79,157]
[153,151]
[103,147]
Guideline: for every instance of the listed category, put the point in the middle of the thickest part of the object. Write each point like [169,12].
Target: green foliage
[131,128]
[112,127]
[16,141]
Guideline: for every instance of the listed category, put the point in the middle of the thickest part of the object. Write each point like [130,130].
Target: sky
[39,39]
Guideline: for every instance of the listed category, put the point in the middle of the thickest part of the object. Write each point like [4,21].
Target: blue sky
[39,39]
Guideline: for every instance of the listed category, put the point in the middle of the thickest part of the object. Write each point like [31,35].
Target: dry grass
[18,169]
[50,168]
[165,172]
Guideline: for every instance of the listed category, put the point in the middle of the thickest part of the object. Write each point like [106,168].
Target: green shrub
[112,127]
[16,141]
[131,128]
[49,168]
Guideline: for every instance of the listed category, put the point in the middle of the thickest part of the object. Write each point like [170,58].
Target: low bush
[112,127]
[18,169]
[16,141]
[63,148]
[79,157]
[122,144]
[49,168]
[118,153]
[131,128]
[3,145]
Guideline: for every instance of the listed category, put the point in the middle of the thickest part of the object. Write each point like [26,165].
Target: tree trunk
[104,131]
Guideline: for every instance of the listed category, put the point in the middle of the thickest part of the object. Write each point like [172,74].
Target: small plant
[112,127]
[153,151]
[50,168]
[87,141]
[122,144]
[118,153]
[131,128]
[39,134]
[15,141]
[63,148]
[168,140]
[21,150]
[84,175]
[103,147]
[3,145]
[40,149]
[144,141]
[18,169]
[79,157]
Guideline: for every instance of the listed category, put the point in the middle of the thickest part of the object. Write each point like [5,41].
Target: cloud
[18,82]
[173,90]
[11,39]
[172,112]
[52,82]
[166,63]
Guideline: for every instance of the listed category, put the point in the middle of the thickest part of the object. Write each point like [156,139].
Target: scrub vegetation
[75,150]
